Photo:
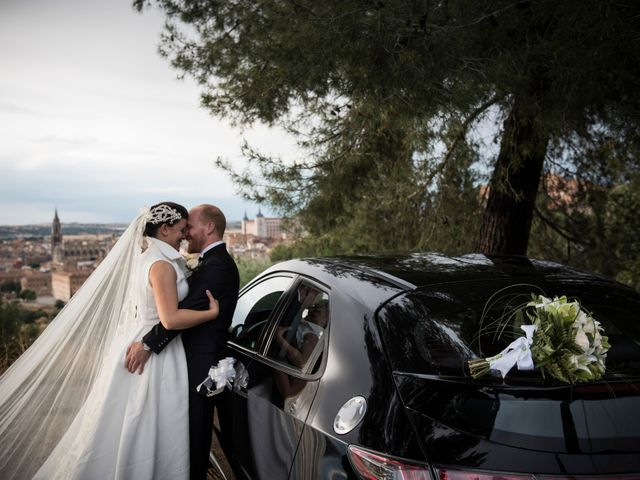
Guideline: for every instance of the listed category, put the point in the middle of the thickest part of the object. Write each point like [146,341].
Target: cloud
[169,189]
[95,121]
[79,141]
[13,108]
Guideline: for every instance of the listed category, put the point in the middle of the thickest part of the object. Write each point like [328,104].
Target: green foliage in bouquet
[568,344]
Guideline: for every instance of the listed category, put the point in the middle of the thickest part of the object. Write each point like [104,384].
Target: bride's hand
[214,307]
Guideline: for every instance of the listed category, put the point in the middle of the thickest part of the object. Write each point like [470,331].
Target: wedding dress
[70,410]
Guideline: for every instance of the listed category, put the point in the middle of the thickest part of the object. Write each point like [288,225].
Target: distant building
[11,275]
[57,248]
[85,248]
[263,227]
[562,193]
[65,284]
[77,249]
[39,282]
[256,238]
[565,193]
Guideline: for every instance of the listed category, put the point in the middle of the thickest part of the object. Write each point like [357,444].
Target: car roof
[410,271]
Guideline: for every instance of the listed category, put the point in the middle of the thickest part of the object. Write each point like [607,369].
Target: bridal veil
[41,393]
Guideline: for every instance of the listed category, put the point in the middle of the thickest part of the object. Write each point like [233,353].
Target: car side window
[254,308]
[300,336]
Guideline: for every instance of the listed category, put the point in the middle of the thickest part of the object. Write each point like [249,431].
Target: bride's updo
[164,213]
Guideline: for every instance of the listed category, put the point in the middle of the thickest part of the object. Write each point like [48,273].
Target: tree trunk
[514,185]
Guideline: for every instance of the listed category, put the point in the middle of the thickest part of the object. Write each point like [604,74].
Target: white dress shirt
[209,247]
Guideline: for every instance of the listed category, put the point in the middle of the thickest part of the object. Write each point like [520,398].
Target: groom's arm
[159,337]
[155,340]
[138,353]
[221,279]
[210,278]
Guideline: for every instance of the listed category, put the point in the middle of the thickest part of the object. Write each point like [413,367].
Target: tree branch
[555,227]
[461,135]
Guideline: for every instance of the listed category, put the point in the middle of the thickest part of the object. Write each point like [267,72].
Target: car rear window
[430,333]
[434,330]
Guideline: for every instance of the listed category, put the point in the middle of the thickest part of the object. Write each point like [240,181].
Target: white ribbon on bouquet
[518,352]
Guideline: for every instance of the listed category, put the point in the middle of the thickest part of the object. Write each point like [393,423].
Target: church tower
[261,224]
[56,239]
[243,224]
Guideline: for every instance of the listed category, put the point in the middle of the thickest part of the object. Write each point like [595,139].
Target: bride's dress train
[132,426]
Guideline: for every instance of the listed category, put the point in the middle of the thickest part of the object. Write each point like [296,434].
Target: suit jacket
[217,273]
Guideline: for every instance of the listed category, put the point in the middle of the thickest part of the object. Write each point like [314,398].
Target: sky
[95,123]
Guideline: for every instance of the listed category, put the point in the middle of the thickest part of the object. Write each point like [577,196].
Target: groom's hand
[136,357]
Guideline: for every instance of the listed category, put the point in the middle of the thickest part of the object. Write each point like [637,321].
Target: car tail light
[370,465]
[448,474]
[377,466]
[604,477]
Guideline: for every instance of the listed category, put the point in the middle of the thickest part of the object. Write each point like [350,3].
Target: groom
[203,344]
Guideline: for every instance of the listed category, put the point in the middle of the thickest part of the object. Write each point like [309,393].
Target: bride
[68,406]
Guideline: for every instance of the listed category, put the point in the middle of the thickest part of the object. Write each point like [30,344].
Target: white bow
[518,352]
[220,376]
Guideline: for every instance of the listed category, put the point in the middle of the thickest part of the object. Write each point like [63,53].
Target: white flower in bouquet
[582,340]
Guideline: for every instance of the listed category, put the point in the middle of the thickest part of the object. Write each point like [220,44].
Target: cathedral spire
[56,237]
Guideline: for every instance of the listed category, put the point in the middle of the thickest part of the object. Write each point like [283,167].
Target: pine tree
[368,86]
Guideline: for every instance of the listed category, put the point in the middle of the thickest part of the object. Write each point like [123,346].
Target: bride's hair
[173,213]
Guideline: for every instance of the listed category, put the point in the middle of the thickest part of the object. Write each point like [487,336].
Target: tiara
[163,214]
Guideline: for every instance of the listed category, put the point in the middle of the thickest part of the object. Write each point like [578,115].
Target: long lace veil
[42,392]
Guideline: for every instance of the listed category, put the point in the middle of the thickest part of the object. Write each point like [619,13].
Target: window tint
[254,308]
[300,337]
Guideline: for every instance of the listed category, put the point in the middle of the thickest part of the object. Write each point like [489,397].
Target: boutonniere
[192,261]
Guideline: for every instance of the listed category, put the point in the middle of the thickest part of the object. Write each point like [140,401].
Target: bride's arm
[162,277]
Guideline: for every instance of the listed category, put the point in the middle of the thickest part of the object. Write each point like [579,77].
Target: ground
[212,474]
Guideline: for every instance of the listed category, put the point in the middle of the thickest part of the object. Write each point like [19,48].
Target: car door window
[254,308]
[300,336]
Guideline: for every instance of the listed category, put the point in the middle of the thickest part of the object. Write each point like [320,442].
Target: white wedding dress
[132,426]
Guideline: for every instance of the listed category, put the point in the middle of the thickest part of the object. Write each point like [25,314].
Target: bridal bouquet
[562,341]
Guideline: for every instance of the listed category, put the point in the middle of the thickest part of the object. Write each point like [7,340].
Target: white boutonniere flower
[192,260]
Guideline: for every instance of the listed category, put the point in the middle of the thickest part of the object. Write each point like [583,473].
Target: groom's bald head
[206,226]
[211,213]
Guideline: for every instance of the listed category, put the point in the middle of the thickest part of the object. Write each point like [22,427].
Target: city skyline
[251,214]
[95,122]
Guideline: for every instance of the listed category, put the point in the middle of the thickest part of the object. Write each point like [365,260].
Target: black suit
[203,344]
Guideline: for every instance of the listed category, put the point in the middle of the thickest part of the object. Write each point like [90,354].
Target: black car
[357,368]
